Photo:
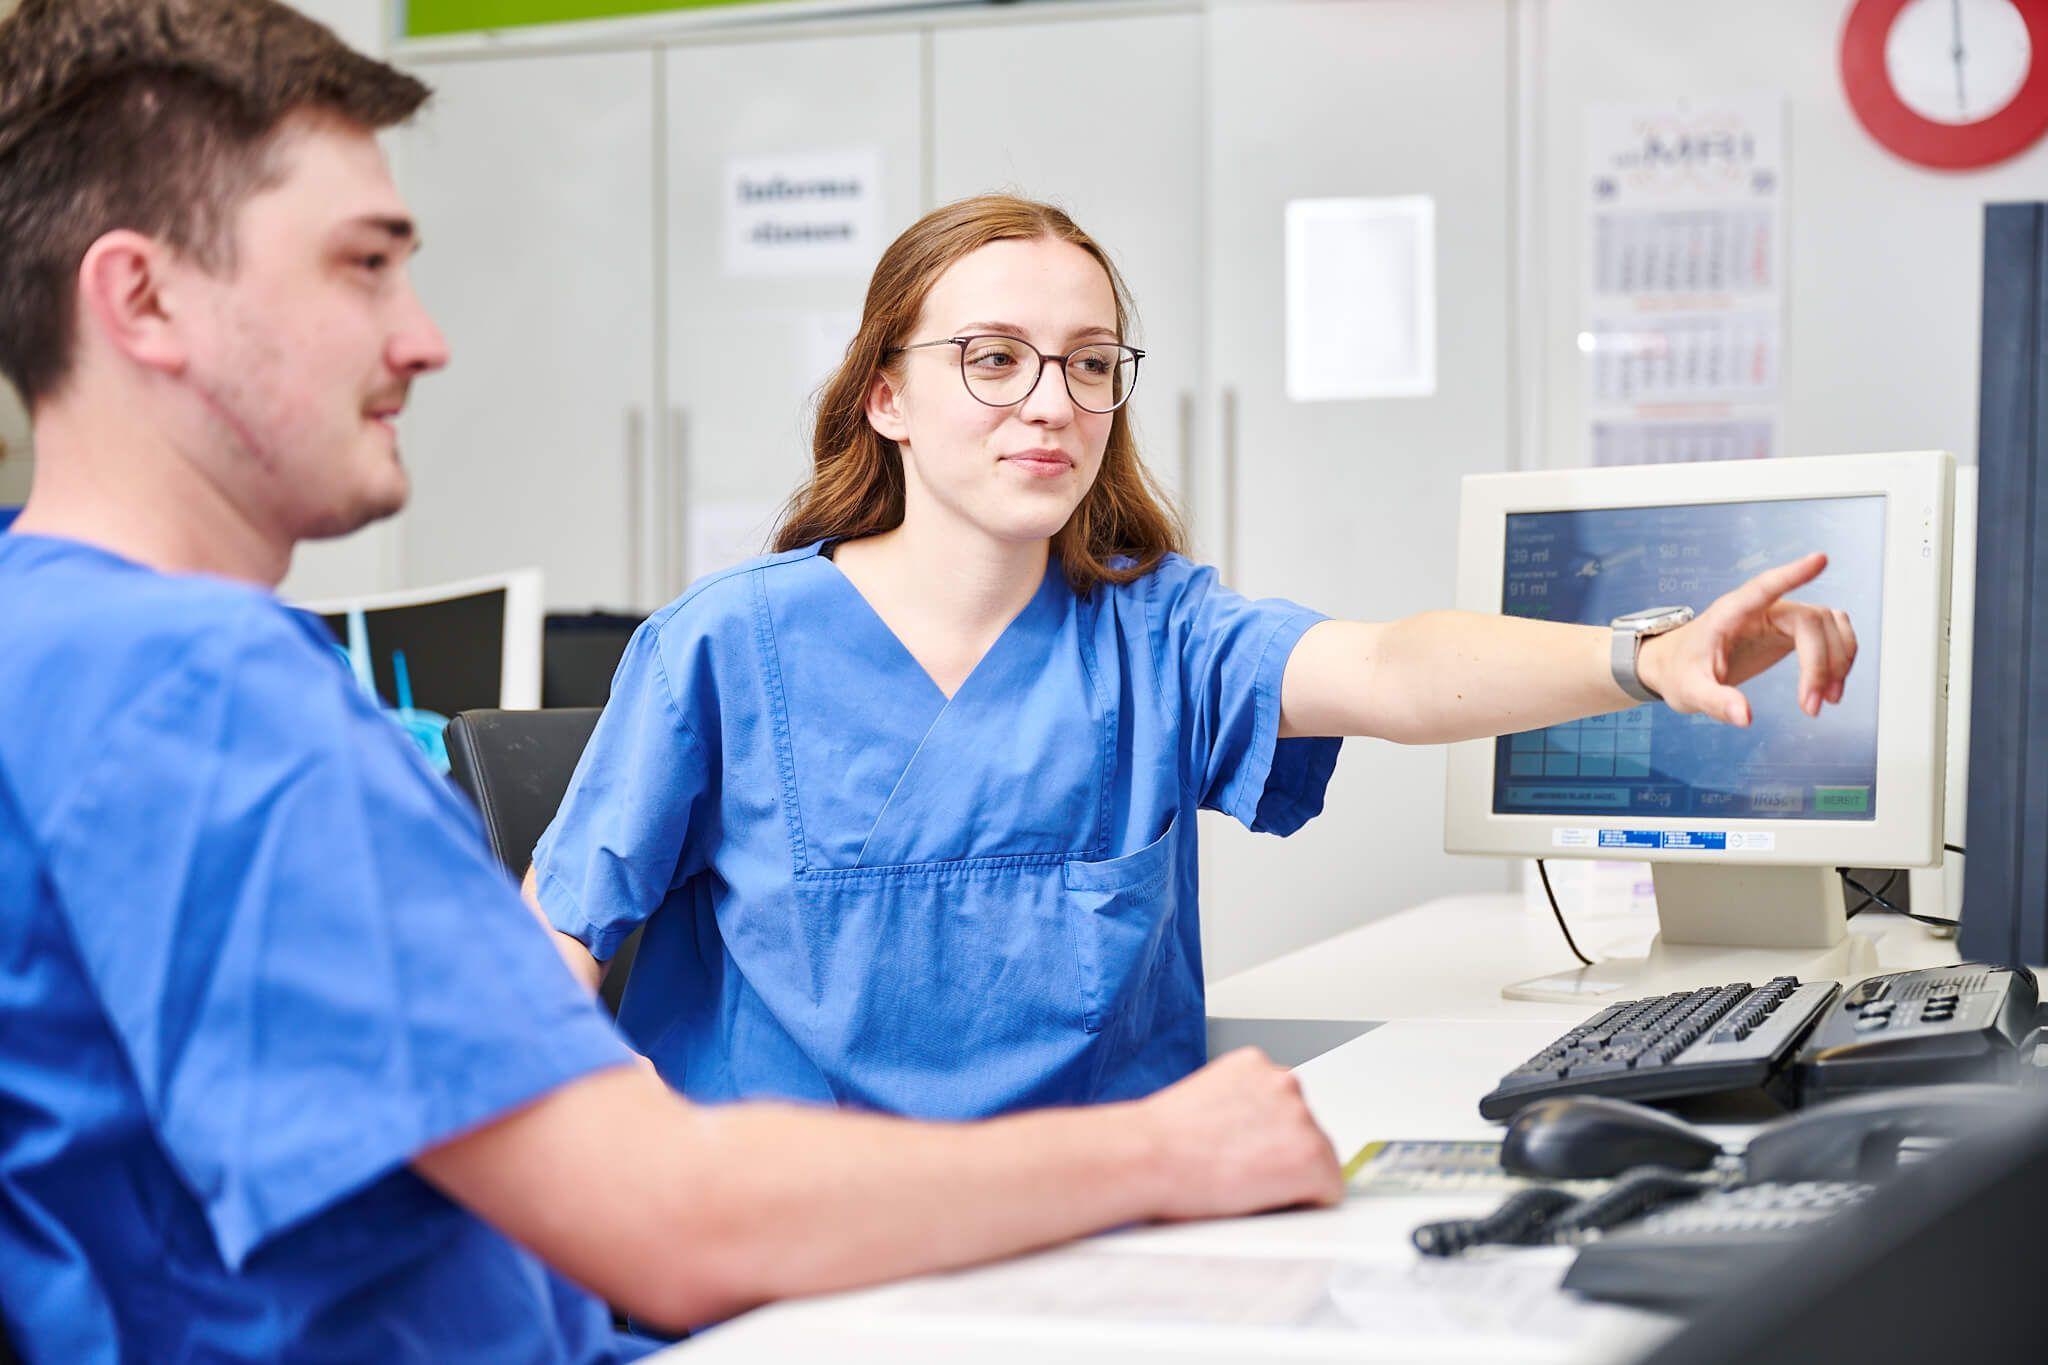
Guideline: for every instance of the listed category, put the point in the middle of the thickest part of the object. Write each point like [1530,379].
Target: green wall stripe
[427,17]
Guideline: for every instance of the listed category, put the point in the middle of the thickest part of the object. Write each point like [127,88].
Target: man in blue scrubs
[286,1070]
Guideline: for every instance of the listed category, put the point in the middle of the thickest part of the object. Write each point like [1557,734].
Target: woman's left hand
[1698,666]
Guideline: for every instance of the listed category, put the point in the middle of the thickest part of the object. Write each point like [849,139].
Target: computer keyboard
[1718,1038]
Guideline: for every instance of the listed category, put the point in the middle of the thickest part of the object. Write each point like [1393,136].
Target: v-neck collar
[1033,606]
[884,772]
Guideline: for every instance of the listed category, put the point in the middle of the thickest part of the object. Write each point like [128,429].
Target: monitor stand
[1722,924]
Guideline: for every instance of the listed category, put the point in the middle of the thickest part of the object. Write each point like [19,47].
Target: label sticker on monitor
[1687,840]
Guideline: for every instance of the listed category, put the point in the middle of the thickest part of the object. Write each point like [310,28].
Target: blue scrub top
[859,891]
[254,957]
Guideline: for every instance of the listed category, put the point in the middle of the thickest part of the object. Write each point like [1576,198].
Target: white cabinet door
[748,346]
[1352,507]
[532,179]
[1116,141]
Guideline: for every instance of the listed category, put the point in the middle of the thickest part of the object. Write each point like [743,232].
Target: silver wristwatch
[1629,633]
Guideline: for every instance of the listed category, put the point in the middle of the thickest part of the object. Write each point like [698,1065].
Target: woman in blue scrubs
[908,807]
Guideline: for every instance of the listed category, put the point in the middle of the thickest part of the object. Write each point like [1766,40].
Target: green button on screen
[1854,799]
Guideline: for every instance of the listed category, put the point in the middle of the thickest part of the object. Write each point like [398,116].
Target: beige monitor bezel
[1919,491]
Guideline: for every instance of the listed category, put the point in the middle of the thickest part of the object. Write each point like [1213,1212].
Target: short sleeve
[298,936]
[1233,656]
[623,835]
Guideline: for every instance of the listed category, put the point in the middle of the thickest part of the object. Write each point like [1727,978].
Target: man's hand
[1236,1138]
[1697,667]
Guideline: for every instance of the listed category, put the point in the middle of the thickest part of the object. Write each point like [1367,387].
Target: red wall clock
[1951,84]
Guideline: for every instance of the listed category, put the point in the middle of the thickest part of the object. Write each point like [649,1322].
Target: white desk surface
[1335,1284]
[1449,958]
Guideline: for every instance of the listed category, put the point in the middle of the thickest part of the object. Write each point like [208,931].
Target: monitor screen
[1590,566]
[426,654]
[441,657]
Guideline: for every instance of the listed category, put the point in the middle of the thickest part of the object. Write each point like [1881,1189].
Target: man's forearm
[694,1213]
[684,1214]
[902,1198]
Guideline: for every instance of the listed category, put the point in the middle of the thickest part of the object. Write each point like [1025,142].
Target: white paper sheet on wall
[1682,319]
[805,213]
[1361,298]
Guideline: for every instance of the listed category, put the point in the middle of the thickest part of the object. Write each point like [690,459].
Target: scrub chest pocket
[1125,918]
[982,966]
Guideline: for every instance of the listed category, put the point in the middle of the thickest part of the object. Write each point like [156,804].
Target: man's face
[303,352]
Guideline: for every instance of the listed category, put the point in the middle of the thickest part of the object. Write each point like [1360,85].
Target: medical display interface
[1590,566]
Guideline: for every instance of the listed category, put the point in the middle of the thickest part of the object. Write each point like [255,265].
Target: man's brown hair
[155,116]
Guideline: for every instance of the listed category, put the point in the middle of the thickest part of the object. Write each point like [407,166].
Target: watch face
[1654,616]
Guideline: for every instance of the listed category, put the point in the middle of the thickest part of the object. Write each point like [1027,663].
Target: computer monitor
[1938,890]
[2005,908]
[427,653]
[579,654]
[1744,828]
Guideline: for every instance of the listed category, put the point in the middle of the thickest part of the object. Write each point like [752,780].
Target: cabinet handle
[636,501]
[1228,474]
[678,501]
[1187,459]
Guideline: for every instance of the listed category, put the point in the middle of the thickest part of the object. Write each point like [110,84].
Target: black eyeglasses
[1002,371]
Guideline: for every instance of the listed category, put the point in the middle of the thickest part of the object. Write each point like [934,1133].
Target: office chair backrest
[516,766]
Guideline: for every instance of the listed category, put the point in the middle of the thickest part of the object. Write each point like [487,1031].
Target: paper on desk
[1512,1296]
[1405,1167]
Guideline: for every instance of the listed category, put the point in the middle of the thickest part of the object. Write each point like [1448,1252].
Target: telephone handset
[1861,1137]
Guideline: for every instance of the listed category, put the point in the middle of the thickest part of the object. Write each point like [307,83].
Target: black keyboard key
[1603,1067]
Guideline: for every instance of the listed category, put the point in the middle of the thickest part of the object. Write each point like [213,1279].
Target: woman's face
[1014,473]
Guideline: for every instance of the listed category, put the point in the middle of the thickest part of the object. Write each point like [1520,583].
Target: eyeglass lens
[1002,370]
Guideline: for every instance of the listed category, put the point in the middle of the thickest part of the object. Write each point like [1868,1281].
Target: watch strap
[1621,661]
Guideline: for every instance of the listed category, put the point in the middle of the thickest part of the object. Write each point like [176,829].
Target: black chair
[516,766]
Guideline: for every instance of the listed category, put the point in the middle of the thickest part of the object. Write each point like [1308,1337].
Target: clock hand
[1955,13]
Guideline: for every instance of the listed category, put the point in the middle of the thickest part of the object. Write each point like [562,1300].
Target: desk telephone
[1885,1071]
[1685,1219]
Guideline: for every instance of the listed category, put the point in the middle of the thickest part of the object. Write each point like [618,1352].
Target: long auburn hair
[1123,525]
